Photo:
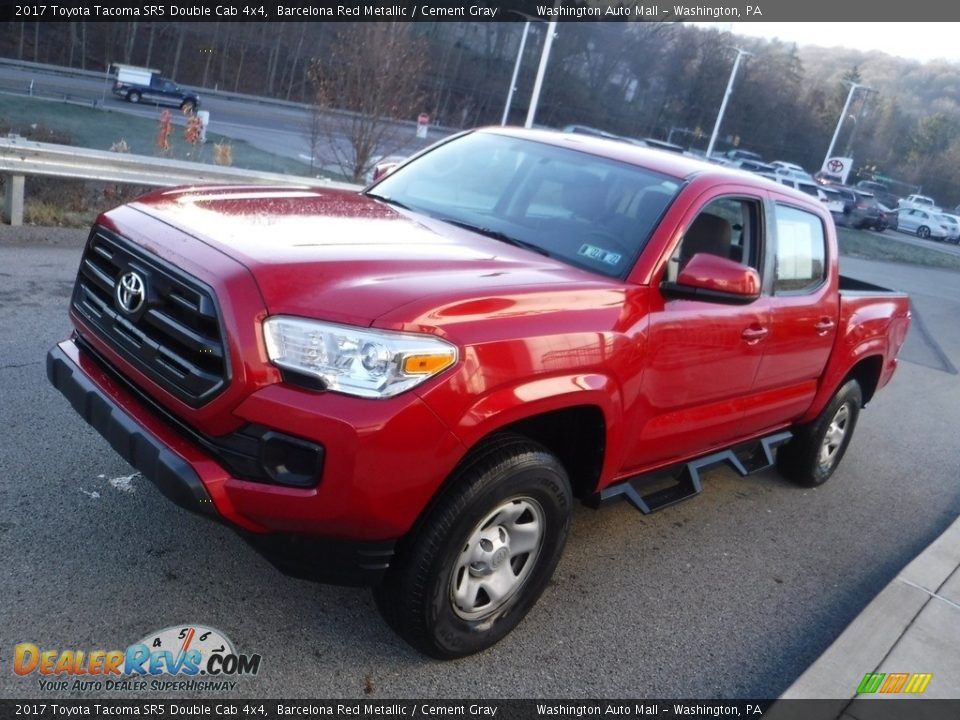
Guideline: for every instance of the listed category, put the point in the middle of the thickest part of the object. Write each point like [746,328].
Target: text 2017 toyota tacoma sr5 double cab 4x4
[407,386]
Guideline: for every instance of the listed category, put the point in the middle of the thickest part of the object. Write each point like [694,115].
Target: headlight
[356,361]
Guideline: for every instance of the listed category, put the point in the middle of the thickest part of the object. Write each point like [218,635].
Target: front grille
[173,336]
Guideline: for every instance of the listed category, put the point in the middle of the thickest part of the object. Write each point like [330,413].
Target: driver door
[703,355]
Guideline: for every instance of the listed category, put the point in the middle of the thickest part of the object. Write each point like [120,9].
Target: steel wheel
[818,447]
[497,558]
[485,551]
[833,439]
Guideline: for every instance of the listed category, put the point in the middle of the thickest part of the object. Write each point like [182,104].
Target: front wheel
[134,96]
[483,555]
[817,448]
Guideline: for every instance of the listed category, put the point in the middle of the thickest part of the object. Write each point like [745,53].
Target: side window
[801,250]
[728,227]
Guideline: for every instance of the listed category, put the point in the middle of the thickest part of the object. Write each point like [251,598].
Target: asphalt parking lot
[730,595]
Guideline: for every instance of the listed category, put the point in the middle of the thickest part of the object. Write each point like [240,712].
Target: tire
[133,96]
[439,592]
[923,232]
[817,448]
[188,107]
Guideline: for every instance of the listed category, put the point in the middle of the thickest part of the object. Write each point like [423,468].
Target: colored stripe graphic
[893,683]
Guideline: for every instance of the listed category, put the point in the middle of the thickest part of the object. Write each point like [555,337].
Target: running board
[745,459]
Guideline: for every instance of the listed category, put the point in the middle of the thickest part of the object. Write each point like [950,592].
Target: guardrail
[20,158]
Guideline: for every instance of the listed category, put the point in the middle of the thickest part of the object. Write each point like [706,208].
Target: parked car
[924,223]
[832,200]
[408,386]
[889,216]
[792,170]
[953,227]
[880,191]
[737,154]
[921,202]
[788,167]
[866,213]
[753,166]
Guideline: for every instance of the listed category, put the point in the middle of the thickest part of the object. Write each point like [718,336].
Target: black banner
[480,11]
[875,709]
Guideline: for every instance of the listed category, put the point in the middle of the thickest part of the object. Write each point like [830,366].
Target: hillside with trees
[639,79]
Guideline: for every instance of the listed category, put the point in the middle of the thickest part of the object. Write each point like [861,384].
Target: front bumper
[175,467]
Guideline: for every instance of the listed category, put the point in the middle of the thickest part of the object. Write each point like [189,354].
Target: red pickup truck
[408,386]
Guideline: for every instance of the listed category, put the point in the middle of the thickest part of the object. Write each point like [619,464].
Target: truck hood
[341,256]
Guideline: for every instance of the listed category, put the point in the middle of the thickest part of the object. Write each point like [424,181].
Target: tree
[369,78]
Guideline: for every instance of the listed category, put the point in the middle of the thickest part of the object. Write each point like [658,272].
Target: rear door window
[801,250]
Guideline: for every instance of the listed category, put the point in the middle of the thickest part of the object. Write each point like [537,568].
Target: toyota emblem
[130,292]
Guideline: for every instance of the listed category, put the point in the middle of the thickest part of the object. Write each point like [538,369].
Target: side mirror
[383,169]
[714,278]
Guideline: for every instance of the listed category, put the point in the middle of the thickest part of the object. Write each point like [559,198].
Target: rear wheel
[923,232]
[817,448]
[133,96]
[483,555]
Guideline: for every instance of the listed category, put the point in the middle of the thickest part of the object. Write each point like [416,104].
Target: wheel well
[867,374]
[576,435]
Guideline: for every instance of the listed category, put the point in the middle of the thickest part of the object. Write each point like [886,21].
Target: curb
[912,626]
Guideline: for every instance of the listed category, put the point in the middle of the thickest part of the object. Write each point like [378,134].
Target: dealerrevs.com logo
[179,658]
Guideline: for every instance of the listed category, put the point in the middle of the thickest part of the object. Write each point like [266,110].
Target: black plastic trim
[172,475]
[745,459]
[191,380]
[673,289]
[328,560]
[240,452]
[325,560]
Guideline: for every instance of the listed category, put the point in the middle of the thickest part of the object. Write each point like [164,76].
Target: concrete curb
[912,626]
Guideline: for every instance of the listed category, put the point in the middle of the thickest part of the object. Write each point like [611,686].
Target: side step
[745,459]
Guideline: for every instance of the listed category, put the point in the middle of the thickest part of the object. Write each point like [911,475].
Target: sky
[917,40]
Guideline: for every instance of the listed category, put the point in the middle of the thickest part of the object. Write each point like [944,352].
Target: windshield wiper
[389,201]
[497,235]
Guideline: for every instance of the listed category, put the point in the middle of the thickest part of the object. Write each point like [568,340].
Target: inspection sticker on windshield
[599,254]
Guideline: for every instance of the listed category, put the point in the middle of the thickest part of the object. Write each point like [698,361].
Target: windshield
[585,210]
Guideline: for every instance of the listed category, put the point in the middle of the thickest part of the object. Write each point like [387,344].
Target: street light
[726,96]
[843,116]
[516,71]
[541,71]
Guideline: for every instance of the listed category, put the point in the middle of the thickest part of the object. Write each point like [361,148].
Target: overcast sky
[915,40]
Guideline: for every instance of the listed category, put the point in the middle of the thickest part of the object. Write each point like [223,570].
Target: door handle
[824,326]
[754,334]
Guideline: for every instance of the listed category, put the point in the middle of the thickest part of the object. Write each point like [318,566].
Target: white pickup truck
[920,202]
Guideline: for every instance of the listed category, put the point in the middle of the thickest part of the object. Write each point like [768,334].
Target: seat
[708,233]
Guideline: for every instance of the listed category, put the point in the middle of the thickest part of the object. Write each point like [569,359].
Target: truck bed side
[872,327]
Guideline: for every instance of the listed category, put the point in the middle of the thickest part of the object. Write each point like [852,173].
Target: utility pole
[843,116]
[726,96]
[516,71]
[541,71]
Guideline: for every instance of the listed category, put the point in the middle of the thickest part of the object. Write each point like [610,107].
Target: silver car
[924,223]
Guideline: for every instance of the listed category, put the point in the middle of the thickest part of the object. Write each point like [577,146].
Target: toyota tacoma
[407,386]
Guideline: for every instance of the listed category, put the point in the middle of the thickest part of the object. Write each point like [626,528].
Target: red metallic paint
[674,378]
[709,272]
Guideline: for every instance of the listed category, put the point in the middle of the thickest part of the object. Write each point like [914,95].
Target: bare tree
[370,77]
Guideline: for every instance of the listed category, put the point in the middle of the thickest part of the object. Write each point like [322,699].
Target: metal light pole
[726,96]
[843,116]
[516,71]
[541,71]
